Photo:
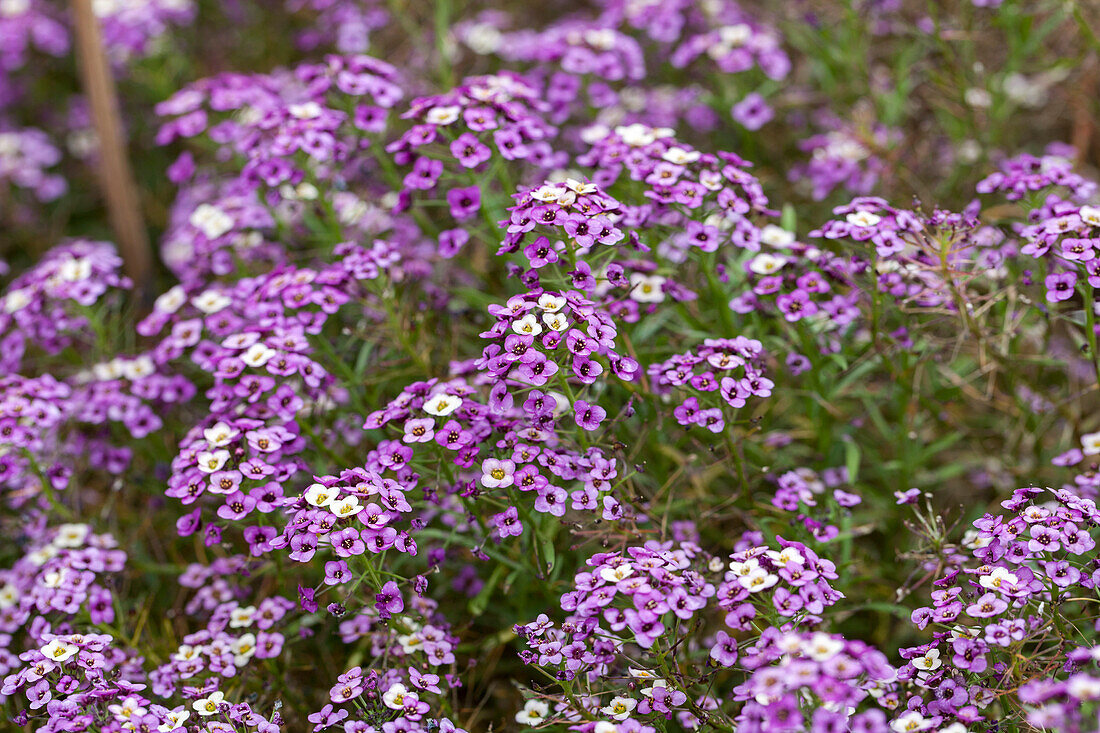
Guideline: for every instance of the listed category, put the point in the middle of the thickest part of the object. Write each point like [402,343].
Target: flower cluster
[132,29]
[486,124]
[732,368]
[25,157]
[1024,174]
[995,617]
[291,128]
[45,307]
[736,47]
[812,681]
[679,179]
[844,157]
[804,491]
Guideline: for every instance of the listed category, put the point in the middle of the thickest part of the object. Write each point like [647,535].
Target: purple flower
[907,497]
[1060,286]
[588,416]
[464,202]
[388,600]
[987,606]
[497,473]
[469,151]
[752,112]
[507,523]
[424,174]
[724,650]
[451,242]
[326,717]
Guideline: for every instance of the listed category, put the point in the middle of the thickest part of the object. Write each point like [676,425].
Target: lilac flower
[1060,286]
[588,416]
[752,112]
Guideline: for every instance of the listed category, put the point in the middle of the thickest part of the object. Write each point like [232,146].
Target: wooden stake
[116,177]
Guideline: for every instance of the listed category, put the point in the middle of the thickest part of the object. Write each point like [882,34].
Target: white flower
[243,649]
[483,38]
[527,325]
[863,219]
[551,303]
[758,580]
[547,193]
[776,236]
[1090,444]
[617,573]
[636,135]
[211,461]
[909,722]
[220,435]
[442,115]
[109,370]
[70,535]
[241,617]
[320,496]
[210,301]
[679,156]
[595,133]
[211,221]
[604,727]
[305,110]
[929,662]
[186,652]
[620,707]
[9,596]
[1022,90]
[646,288]
[208,705]
[602,39]
[410,643]
[555,321]
[1090,215]
[172,300]
[394,698]
[59,650]
[643,674]
[42,554]
[787,555]
[579,187]
[978,97]
[823,647]
[766,264]
[11,8]
[257,355]
[442,404]
[997,578]
[743,568]
[75,270]
[138,368]
[16,300]
[533,713]
[173,720]
[345,507]
[735,35]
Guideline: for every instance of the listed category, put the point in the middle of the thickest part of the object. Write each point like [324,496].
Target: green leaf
[789,219]
[851,459]
[480,602]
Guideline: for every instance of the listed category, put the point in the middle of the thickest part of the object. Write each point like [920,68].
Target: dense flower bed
[611,367]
